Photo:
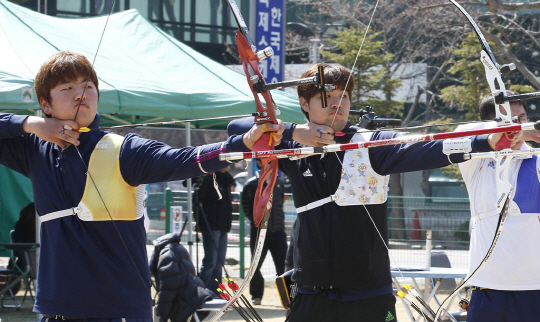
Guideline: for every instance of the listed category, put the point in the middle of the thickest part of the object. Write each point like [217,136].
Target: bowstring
[95,57]
[334,118]
[376,229]
[355,60]
[337,156]
[84,163]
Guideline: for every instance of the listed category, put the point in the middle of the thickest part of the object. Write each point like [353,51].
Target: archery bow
[264,114]
[250,58]
[504,189]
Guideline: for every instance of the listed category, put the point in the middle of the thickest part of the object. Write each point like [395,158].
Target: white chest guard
[360,184]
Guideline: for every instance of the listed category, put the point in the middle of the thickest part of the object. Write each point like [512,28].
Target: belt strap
[60,214]
[62,317]
[474,288]
[316,204]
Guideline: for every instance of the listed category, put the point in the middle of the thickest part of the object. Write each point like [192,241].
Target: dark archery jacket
[338,247]
[215,213]
[277,217]
[180,292]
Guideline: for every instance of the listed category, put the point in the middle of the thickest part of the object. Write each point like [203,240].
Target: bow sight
[369,121]
[259,86]
[500,97]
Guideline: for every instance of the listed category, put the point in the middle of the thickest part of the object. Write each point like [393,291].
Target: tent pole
[38,113]
[190,195]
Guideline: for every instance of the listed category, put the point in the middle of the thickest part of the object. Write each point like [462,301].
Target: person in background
[214,222]
[24,232]
[276,237]
[25,227]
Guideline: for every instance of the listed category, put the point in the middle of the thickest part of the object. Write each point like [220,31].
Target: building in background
[206,26]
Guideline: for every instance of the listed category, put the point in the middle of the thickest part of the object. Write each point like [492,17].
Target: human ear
[304,104]
[45,106]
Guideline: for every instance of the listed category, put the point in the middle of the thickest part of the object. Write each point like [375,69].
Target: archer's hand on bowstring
[257,130]
[505,140]
[312,134]
[531,135]
[59,132]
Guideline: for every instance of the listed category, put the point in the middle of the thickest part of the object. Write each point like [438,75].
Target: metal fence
[408,219]
[447,218]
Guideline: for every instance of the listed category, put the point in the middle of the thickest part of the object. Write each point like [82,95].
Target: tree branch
[513,58]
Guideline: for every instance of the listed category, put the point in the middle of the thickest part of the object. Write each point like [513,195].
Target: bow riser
[502,177]
[250,63]
[264,114]
[496,84]
[264,197]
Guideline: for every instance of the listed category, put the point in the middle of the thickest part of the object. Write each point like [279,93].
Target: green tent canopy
[144,74]
[15,193]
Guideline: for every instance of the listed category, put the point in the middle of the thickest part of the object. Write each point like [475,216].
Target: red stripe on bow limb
[263,114]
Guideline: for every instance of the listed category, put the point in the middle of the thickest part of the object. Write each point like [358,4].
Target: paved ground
[24,314]
[270,310]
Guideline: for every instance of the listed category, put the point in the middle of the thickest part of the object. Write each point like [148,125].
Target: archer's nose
[333,103]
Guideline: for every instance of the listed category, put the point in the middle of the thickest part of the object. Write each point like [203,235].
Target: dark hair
[62,67]
[487,106]
[333,74]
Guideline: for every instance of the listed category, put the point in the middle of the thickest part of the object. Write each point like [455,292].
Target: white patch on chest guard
[360,184]
[102,145]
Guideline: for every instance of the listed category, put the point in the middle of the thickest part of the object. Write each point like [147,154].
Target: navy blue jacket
[84,267]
